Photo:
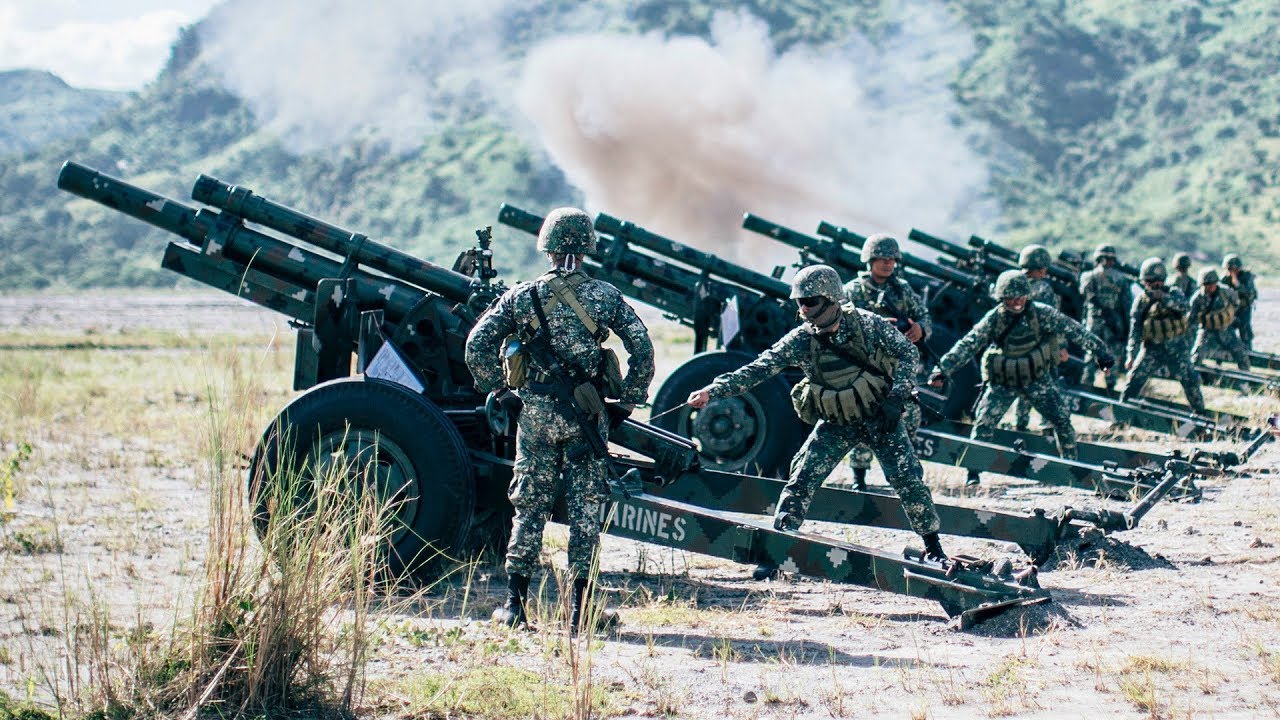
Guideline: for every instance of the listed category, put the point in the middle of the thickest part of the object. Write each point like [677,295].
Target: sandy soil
[1178,618]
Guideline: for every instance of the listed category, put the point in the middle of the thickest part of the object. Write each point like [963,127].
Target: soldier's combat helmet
[1012,284]
[1152,269]
[1034,257]
[818,281]
[1182,262]
[1208,276]
[1232,262]
[1104,251]
[880,246]
[567,231]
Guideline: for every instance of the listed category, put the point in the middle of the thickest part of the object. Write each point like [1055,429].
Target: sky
[99,44]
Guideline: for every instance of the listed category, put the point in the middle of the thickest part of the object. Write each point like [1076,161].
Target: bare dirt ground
[1178,618]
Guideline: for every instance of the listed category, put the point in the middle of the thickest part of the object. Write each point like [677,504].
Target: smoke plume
[322,73]
[682,135]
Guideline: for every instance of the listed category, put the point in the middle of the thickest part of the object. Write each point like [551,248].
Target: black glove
[890,413]
[1106,361]
[618,412]
[510,402]
[937,378]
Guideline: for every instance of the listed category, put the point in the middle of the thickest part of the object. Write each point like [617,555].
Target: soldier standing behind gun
[1213,309]
[565,313]
[1158,321]
[1182,279]
[1106,296]
[1020,340]
[1241,280]
[860,374]
[877,289]
[1035,261]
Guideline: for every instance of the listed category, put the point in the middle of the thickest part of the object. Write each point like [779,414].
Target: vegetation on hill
[1152,126]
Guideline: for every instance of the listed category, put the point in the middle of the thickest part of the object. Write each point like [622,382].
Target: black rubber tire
[777,433]
[419,451]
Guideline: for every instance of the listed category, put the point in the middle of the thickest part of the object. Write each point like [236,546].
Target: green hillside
[37,108]
[1143,124]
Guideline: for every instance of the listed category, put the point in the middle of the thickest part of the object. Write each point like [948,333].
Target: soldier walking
[1035,261]
[1106,296]
[1213,310]
[880,291]
[562,318]
[1241,280]
[1158,321]
[1019,341]
[859,378]
[1182,279]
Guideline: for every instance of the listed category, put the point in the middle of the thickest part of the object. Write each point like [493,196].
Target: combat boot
[513,613]
[933,548]
[602,620]
[860,478]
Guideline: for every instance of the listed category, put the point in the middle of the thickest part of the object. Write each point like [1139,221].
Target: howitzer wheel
[757,432]
[372,433]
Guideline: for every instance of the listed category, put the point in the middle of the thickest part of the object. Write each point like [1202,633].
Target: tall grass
[277,624]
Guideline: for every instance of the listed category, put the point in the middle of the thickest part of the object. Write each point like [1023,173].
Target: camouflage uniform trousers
[1045,396]
[552,455]
[822,451]
[1115,343]
[1022,406]
[1210,342]
[1167,360]
[1243,324]
[860,457]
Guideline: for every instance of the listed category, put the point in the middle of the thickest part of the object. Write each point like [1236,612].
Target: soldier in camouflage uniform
[1105,293]
[1241,280]
[1035,261]
[1188,286]
[1019,341]
[550,438]
[877,289]
[860,374]
[1213,309]
[1158,320]
[1182,279]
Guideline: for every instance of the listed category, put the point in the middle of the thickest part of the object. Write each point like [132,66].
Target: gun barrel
[944,246]
[243,203]
[1057,270]
[632,233]
[158,210]
[829,251]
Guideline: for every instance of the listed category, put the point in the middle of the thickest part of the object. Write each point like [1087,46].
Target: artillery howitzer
[733,429]
[969,301]
[413,419]
[1065,282]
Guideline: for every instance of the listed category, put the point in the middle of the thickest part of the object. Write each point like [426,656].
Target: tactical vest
[881,298]
[838,390]
[1219,317]
[564,289]
[1023,356]
[1162,324]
